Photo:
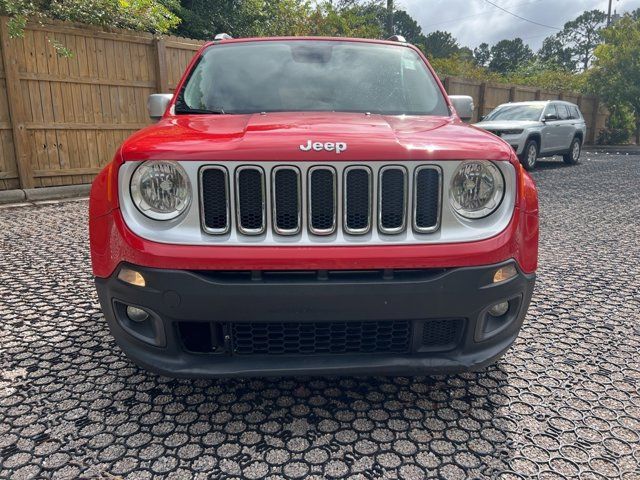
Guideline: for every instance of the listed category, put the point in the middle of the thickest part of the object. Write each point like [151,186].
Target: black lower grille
[322,200]
[286,185]
[251,200]
[439,334]
[427,198]
[357,200]
[392,199]
[308,338]
[215,200]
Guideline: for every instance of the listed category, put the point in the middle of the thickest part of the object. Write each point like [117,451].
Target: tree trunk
[389,17]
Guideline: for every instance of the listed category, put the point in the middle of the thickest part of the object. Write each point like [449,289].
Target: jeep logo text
[337,147]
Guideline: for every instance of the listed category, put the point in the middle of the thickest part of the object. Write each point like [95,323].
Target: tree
[583,35]
[405,25]
[556,53]
[482,54]
[244,18]
[440,44]
[465,54]
[616,72]
[508,55]
[346,21]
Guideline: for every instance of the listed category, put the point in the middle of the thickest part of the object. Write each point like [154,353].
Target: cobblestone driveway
[563,402]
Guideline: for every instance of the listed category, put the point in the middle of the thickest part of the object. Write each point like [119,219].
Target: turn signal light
[132,277]
[504,273]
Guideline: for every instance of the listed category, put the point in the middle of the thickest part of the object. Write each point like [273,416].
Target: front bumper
[184,304]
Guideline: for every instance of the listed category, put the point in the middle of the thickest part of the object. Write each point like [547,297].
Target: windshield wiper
[213,111]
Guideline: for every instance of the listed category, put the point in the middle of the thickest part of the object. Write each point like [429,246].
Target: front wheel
[529,156]
[573,155]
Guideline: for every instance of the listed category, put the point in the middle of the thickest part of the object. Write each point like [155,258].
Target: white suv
[539,129]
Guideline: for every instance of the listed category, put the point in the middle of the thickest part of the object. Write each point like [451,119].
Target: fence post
[447,84]
[512,94]
[538,94]
[481,99]
[16,106]
[594,120]
[162,78]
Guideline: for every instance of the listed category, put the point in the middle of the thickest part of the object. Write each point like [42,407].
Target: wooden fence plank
[16,105]
[162,76]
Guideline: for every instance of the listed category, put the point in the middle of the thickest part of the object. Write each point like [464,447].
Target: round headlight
[161,189]
[476,189]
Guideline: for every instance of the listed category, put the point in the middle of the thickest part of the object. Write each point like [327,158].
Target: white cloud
[475,21]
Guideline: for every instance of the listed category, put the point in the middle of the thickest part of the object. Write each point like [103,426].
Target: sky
[475,21]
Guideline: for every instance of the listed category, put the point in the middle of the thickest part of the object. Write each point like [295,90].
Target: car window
[312,76]
[551,110]
[575,113]
[515,112]
[563,112]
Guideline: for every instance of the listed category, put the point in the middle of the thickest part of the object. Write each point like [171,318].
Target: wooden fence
[61,119]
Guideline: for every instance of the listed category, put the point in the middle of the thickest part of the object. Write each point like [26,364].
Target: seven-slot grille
[316,199]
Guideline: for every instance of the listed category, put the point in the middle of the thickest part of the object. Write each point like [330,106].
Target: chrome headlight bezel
[144,205]
[493,200]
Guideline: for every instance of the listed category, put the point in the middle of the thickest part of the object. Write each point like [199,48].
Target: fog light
[499,309]
[132,277]
[504,273]
[136,314]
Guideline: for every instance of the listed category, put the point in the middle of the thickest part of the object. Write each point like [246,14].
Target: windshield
[301,75]
[516,112]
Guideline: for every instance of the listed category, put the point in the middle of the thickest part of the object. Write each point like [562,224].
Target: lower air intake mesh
[308,338]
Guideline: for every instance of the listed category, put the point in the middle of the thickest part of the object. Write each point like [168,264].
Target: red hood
[278,136]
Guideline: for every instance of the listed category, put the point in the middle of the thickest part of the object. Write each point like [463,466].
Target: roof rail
[397,38]
[222,36]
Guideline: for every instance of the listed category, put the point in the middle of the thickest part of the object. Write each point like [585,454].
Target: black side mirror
[550,117]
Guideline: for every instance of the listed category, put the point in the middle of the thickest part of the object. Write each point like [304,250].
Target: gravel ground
[563,402]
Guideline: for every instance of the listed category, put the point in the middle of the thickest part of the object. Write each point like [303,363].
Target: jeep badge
[338,147]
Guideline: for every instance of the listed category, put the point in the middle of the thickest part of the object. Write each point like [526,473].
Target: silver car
[539,129]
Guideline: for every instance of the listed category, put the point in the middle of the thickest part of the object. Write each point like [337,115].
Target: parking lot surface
[564,402]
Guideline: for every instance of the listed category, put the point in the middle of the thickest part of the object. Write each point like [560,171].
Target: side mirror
[550,117]
[463,105]
[157,104]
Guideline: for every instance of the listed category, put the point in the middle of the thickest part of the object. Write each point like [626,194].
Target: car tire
[573,155]
[529,156]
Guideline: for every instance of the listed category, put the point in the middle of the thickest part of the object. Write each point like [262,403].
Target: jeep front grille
[250,201]
[287,203]
[357,200]
[322,200]
[215,205]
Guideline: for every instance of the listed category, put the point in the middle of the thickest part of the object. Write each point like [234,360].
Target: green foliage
[619,128]
[454,66]
[616,73]
[508,55]
[482,54]
[348,21]
[556,53]
[547,76]
[440,44]
[147,15]
[582,35]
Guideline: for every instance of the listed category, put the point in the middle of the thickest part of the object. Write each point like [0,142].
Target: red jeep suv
[313,206]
